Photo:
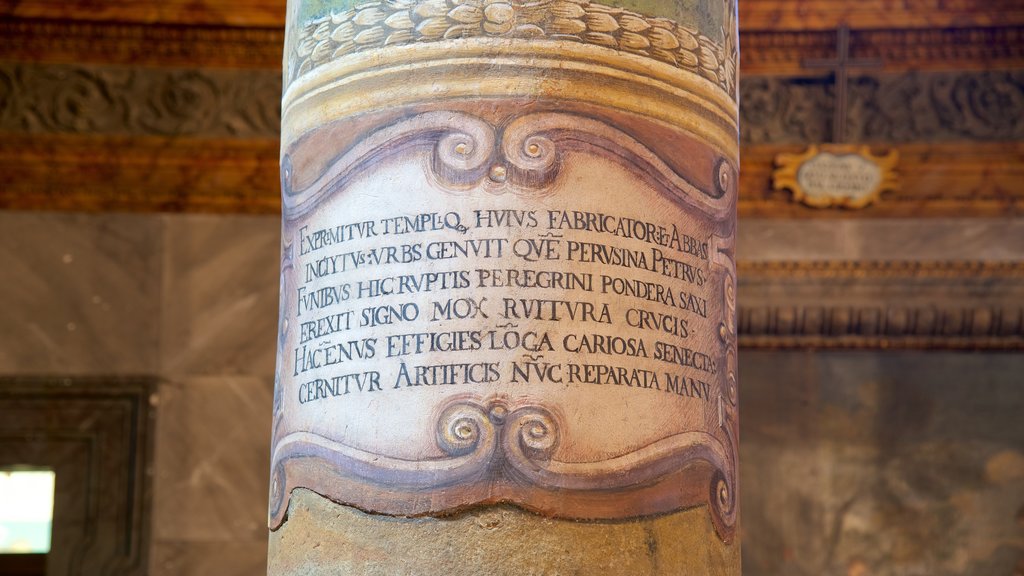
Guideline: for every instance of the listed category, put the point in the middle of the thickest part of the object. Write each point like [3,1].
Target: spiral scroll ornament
[533,157]
[461,429]
[461,158]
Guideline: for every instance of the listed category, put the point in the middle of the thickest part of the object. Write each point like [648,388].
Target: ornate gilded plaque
[508,267]
[837,175]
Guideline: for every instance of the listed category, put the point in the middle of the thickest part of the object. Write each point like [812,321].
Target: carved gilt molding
[234,13]
[783,52]
[170,102]
[880,305]
[79,41]
[881,270]
[805,15]
[915,107]
[985,106]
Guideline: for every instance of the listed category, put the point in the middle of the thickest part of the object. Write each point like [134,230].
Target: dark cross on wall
[840,67]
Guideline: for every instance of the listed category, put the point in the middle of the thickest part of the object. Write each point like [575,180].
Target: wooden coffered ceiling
[172,105]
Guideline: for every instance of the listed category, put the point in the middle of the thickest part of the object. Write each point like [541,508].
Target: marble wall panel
[209,558]
[220,295]
[212,459]
[211,470]
[80,293]
[218,326]
[882,463]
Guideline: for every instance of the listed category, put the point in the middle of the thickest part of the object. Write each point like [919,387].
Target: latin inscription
[568,298]
[847,175]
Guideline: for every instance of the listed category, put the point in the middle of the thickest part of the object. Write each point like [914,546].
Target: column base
[321,537]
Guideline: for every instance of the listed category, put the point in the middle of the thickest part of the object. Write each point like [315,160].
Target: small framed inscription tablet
[837,176]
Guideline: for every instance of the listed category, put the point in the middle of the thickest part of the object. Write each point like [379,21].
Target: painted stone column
[508,318]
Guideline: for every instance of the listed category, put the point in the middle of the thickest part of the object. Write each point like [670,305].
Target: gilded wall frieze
[808,15]
[886,269]
[966,106]
[925,106]
[777,52]
[66,98]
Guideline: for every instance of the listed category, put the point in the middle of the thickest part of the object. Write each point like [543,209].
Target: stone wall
[190,299]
